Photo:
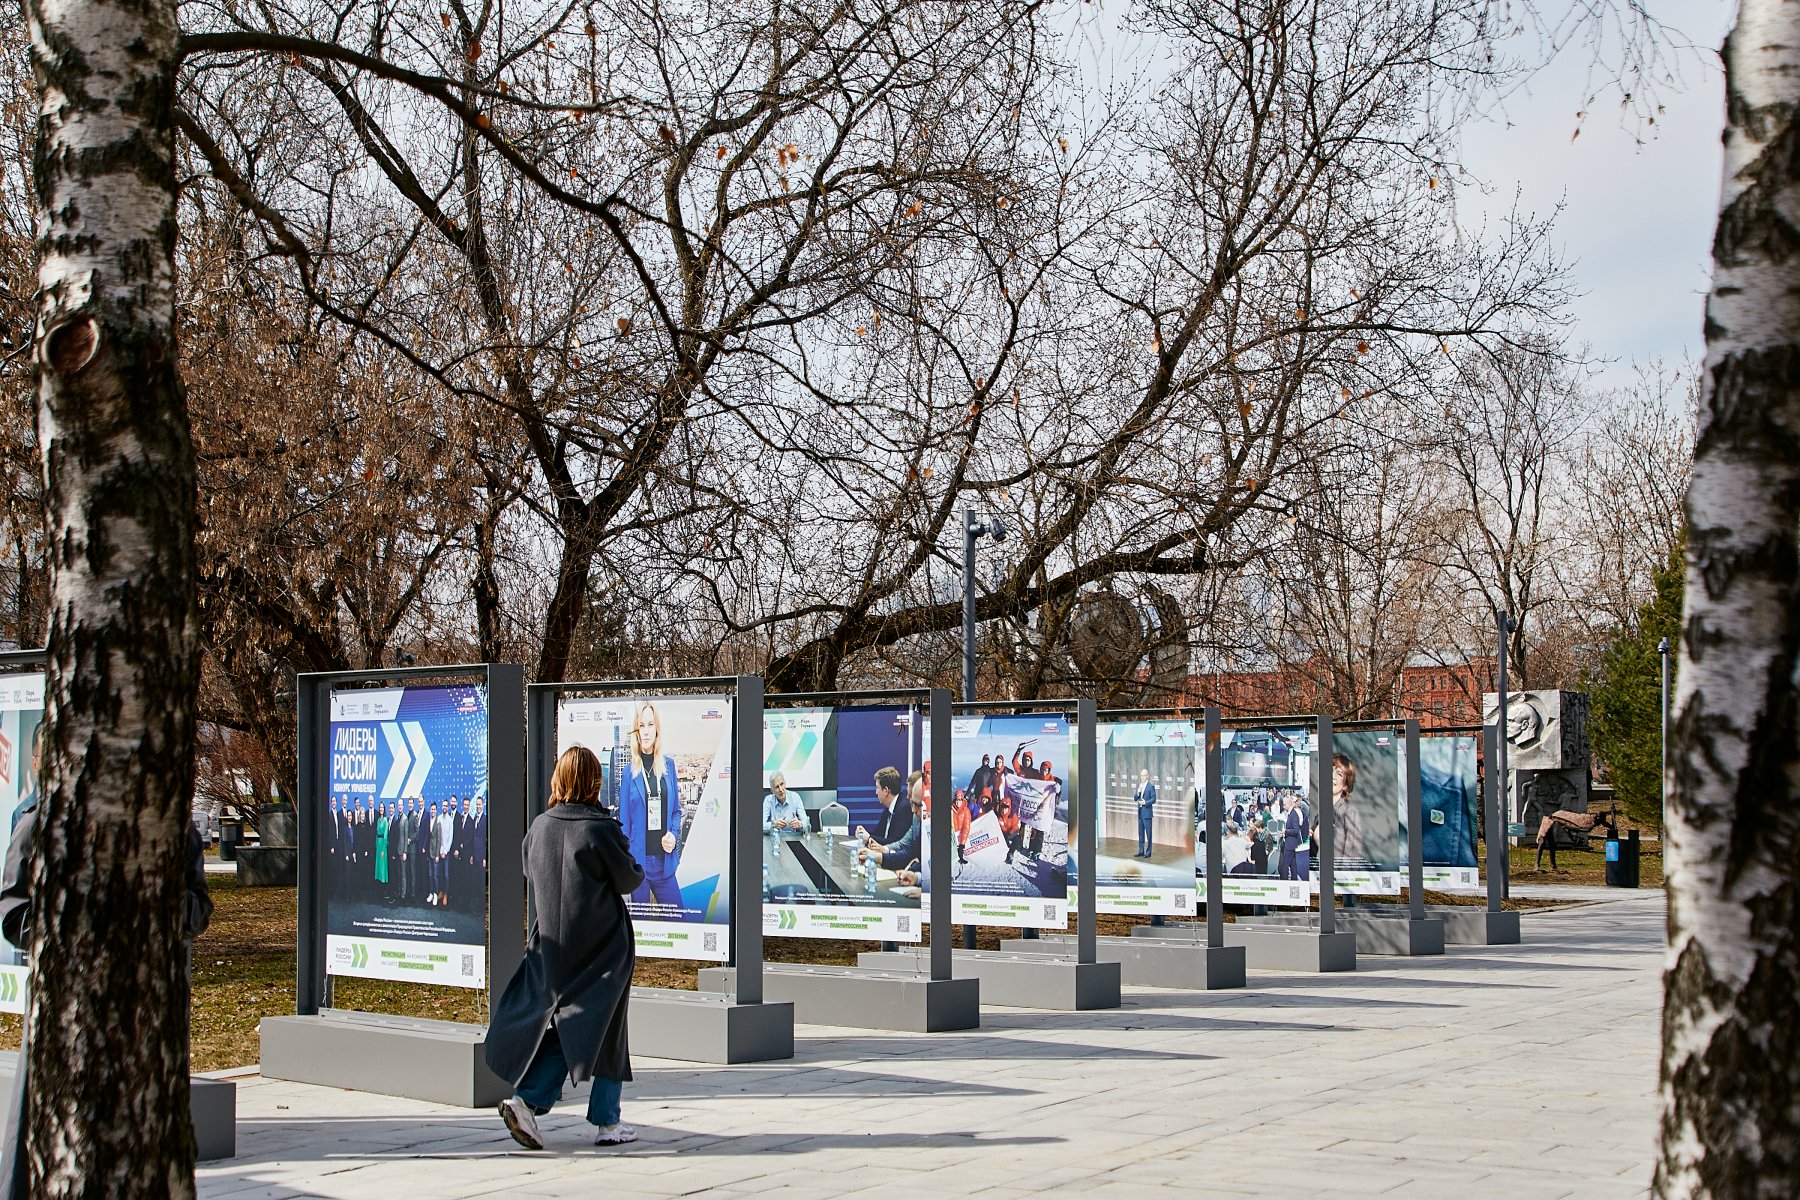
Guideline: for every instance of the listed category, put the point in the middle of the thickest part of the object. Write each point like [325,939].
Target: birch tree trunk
[107,1113]
[1731,1047]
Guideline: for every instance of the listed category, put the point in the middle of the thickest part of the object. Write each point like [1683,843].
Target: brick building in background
[1437,694]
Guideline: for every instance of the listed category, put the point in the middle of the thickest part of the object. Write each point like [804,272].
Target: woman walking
[563,1013]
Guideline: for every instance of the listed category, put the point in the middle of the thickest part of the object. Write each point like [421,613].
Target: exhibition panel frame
[441,1061]
[915,990]
[1041,973]
[733,1023]
[1186,956]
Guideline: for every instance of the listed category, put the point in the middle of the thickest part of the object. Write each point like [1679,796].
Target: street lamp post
[974,527]
[1504,625]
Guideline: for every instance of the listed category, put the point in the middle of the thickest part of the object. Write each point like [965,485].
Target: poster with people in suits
[665,765]
[1266,832]
[21,749]
[1449,796]
[403,840]
[1368,811]
[1144,839]
[1010,809]
[842,821]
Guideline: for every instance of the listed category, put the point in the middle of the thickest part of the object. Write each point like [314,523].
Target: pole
[941,852]
[968,582]
[1415,827]
[1662,786]
[1504,624]
[1325,869]
[968,646]
[1214,798]
[1086,811]
[1496,824]
[745,932]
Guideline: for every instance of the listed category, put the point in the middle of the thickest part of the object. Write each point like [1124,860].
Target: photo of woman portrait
[650,809]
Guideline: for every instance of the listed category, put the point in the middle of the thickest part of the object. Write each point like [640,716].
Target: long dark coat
[579,954]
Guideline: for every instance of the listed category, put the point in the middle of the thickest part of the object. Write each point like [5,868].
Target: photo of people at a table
[1010,814]
[1267,839]
[843,822]
[1145,839]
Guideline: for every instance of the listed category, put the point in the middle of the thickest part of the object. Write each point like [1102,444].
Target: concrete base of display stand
[212,1105]
[1272,948]
[864,998]
[1376,932]
[1466,925]
[1017,980]
[702,1027]
[437,1061]
[1148,963]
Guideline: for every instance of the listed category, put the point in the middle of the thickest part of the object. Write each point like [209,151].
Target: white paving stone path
[1523,1072]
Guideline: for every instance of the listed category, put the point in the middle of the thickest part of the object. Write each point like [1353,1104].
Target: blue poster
[403,842]
[1448,774]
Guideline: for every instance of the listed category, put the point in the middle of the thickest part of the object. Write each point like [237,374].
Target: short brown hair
[576,779]
[888,780]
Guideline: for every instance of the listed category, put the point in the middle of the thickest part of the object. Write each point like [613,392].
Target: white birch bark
[108,1055]
[1731,1059]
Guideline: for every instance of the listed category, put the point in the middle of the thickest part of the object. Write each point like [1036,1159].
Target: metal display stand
[212,1102]
[440,1061]
[1192,957]
[1037,972]
[1384,928]
[1493,925]
[914,992]
[733,1023]
[1319,948]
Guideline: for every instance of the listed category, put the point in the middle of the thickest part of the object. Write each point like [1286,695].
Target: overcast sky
[1637,221]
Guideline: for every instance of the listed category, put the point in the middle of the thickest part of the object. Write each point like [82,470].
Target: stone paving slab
[1492,1072]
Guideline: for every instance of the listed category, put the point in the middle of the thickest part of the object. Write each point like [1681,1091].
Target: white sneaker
[614,1135]
[521,1123]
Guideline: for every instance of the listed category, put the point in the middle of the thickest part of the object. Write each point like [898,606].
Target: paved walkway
[1523,1072]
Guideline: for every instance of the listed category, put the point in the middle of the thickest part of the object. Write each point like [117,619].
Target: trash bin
[231,834]
[1622,861]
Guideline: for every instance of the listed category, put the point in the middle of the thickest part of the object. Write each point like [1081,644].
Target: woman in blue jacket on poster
[650,811]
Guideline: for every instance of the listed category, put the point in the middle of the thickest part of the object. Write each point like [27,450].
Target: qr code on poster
[468,966]
[902,924]
[709,942]
[1181,901]
[1049,912]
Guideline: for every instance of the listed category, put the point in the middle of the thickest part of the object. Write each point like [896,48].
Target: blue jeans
[542,1086]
